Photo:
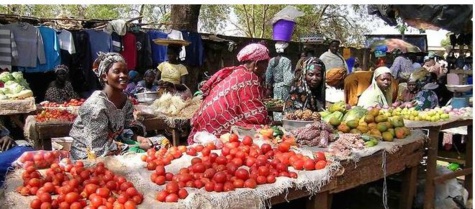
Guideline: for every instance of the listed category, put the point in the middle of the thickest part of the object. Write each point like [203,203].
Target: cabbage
[3,97]
[17,75]
[1,91]
[23,82]
[14,87]
[356,113]
[6,76]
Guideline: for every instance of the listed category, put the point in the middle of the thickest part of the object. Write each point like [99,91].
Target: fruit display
[77,186]
[375,122]
[55,115]
[272,103]
[432,115]
[305,115]
[70,103]
[238,164]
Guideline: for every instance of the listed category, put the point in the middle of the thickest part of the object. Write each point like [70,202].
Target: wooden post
[469,161]
[408,188]
[322,200]
[429,195]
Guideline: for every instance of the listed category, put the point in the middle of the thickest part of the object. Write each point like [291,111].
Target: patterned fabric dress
[232,96]
[60,95]
[426,99]
[99,124]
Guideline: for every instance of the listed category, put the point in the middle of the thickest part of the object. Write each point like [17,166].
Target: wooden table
[433,146]
[367,170]
[159,124]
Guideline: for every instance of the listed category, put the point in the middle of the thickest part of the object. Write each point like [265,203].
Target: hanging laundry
[117,43]
[175,34]
[52,52]
[117,26]
[80,71]
[194,51]
[66,44]
[100,41]
[130,50]
[8,49]
[144,51]
[29,44]
[159,52]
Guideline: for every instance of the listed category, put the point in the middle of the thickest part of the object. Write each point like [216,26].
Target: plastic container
[283,30]
[293,124]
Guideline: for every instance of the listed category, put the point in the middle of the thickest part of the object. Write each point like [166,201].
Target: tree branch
[249,32]
[264,20]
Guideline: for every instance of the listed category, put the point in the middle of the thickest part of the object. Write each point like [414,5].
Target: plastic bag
[289,13]
[204,138]
[41,158]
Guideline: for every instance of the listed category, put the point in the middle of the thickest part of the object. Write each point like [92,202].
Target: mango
[374,112]
[387,136]
[343,128]
[355,131]
[374,132]
[396,121]
[352,123]
[372,126]
[381,118]
[334,121]
[363,128]
[382,127]
[400,133]
[391,130]
[369,118]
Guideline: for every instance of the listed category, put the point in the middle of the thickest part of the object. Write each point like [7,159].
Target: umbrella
[394,44]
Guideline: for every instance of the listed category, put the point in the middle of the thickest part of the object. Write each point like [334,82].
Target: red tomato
[250,183]
[191,151]
[199,148]
[172,187]
[171,198]
[309,165]
[261,180]
[293,175]
[168,176]
[160,170]
[45,197]
[182,193]
[198,168]
[233,138]
[45,205]
[283,147]
[35,204]
[103,192]
[71,197]
[130,205]
[162,195]
[95,200]
[131,191]
[209,186]
[265,148]
[263,171]
[320,164]
[320,156]
[247,140]
[271,179]
[219,177]
[160,180]
[238,183]
[298,164]
[221,160]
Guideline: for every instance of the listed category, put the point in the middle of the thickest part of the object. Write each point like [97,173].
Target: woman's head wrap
[253,52]
[310,64]
[107,60]
[60,68]
[133,74]
[150,72]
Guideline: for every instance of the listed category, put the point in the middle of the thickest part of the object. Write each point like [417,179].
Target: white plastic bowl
[459,88]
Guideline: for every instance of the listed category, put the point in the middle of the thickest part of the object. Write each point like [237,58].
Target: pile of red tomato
[78,187]
[70,103]
[240,165]
[55,115]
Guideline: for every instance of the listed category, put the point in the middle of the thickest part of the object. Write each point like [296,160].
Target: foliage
[213,17]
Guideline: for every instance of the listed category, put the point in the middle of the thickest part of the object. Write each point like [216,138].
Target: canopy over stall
[455,18]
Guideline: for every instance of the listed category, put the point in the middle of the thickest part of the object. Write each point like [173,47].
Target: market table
[13,109]
[366,170]
[337,176]
[433,146]
[160,124]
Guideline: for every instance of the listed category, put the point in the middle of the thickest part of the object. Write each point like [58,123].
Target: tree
[212,18]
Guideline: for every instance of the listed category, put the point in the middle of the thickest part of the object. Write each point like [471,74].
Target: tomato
[247,140]
[137,199]
[266,148]
[199,148]
[209,186]
[64,205]
[206,151]
[89,188]
[131,191]
[281,167]
[231,168]
[160,170]
[45,205]
[309,165]
[250,161]
[238,183]
[320,164]
[171,198]
[319,156]
[198,184]
[103,192]
[261,180]
[95,200]
[45,197]
[122,198]
[125,185]
[112,185]
[191,151]
[283,147]
[293,175]
[219,177]
[228,186]
[130,205]
[71,197]
[233,138]
[209,173]
[298,164]
[168,176]
[198,168]
[284,173]
[263,170]
[35,204]
[250,183]
[182,193]
[172,187]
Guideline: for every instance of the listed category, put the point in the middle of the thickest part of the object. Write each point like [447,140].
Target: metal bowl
[147,97]
[293,124]
[459,88]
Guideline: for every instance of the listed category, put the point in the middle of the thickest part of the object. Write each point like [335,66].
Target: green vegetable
[453,166]
[355,114]
[277,131]
[370,143]
[6,76]
[13,87]
[337,114]
[17,75]
[339,106]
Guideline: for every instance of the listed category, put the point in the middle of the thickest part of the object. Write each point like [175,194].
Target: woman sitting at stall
[308,91]
[426,97]
[171,70]
[233,96]
[133,80]
[60,90]
[106,120]
[148,84]
[380,91]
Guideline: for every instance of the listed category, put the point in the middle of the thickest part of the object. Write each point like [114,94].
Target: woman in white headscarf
[380,91]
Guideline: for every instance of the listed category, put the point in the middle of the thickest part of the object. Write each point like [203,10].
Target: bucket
[283,30]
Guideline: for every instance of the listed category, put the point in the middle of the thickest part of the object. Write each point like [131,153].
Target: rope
[385,186]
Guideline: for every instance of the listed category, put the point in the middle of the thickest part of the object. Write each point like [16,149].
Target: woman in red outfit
[233,96]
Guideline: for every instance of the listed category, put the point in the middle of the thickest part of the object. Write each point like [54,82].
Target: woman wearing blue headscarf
[133,78]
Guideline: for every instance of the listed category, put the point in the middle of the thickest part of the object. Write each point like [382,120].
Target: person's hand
[144,143]
[6,143]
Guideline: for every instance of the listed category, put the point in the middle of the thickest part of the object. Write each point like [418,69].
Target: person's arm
[396,67]
[130,122]
[252,108]
[183,74]
[159,71]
